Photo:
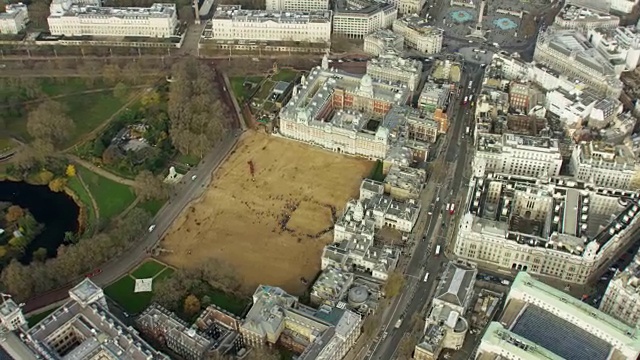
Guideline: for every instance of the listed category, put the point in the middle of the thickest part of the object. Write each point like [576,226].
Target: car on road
[194,177]
[93,273]
[152,227]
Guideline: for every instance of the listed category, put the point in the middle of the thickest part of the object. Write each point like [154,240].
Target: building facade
[569,52]
[14,19]
[517,155]
[419,35]
[622,297]
[584,18]
[406,7]
[541,323]
[392,68]
[297,5]
[605,165]
[158,21]
[331,109]
[558,228]
[358,18]
[383,42]
[233,23]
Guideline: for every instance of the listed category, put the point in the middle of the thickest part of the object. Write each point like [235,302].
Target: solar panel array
[560,336]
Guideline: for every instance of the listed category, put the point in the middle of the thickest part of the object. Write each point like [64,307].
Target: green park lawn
[111,197]
[76,187]
[151,206]
[264,91]
[34,319]
[122,293]
[148,269]
[88,111]
[286,75]
[241,93]
[228,302]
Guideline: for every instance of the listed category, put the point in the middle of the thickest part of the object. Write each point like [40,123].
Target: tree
[196,114]
[40,254]
[371,325]
[70,170]
[111,74]
[57,184]
[150,98]
[394,284]
[149,186]
[17,280]
[121,91]
[49,123]
[70,237]
[191,305]
[14,213]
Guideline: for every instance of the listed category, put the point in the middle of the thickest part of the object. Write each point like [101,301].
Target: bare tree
[49,123]
[394,284]
[149,186]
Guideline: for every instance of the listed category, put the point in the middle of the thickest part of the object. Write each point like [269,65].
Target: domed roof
[366,81]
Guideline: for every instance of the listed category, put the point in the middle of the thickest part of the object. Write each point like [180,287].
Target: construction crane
[251,170]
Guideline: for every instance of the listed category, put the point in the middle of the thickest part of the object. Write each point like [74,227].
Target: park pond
[56,211]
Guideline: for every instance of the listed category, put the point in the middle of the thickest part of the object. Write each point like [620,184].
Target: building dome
[358,295]
[366,81]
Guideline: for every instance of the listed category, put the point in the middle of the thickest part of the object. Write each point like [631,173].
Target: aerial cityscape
[320,180]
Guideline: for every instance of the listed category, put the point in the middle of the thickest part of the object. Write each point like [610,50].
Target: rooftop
[601,153]
[456,284]
[268,311]
[420,25]
[574,44]
[505,142]
[157,10]
[236,13]
[567,216]
[397,63]
[577,13]
[526,287]
[361,7]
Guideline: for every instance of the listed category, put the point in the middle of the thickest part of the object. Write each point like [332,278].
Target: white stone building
[382,42]
[623,6]
[622,297]
[392,68]
[354,231]
[419,35]
[517,155]
[14,19]
[542,323]
[358,18]
[559,228]
[297,5]
[584,18]
[570,52]
[233,23]
[604,165]
[160,20]
[331,109]
[406,7]
[617,45]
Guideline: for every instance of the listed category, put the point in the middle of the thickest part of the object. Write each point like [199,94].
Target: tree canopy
[196,113]
[49,125]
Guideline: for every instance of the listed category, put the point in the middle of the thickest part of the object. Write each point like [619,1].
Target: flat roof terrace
[236,13]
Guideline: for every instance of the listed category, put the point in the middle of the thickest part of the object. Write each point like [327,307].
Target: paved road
[419,293]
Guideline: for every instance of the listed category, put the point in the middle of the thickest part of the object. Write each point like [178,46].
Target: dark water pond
[56,211]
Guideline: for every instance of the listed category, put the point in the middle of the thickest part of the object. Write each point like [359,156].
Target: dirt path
[100,171]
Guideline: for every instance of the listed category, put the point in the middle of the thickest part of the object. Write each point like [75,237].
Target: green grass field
[34,319]
[151,206]
[228,302]
[112,198]
[74,184]
[264,91]
[241,93]
[164,274]
[286,75]
[88,111]
[121,292]
[148,269]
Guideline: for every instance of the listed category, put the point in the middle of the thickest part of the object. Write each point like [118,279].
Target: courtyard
[270,226]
